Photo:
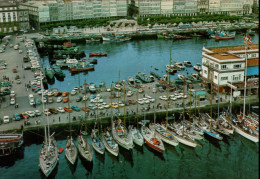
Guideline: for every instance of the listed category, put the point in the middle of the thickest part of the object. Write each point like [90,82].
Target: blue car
[75,108]
[92,96]
[37,89]
[17,117]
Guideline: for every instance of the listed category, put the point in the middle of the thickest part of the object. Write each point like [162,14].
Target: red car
[85,109]
[24,116]
[67,108]
[131,101]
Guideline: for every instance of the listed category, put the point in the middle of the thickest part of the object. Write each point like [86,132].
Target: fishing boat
[92,88]
[71,151]
[187,63]
[181,77]
[141,76]
[155,75]
[179,66]
[225,35]
[49,72]
[10,143]
[58,73]
[98,54]
[84,67]
[197,68]
[84,148]
[171,69]
[71,62]
[152,140]
[48,157]
[131,81]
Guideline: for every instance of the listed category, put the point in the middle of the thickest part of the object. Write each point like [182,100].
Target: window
[236,77]
[224,78]
[237,66]
[205,71]
[223,67]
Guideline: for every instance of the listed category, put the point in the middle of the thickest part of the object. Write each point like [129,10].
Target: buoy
[60,150]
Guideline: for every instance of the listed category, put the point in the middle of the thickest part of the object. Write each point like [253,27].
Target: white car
[163,98]
[59,99]
[31,102]
[39,92]
[50,93]
[47,112]
[154,90]
[151,100]
[6,119]
[85,98]
[96,100]
[73,92]
[146,100]
[60,109]
[108,89]
[30,113]
[129,93]
[44,100]
[174,98]
[12,101]
[12,94]
[37,112]
[140,101]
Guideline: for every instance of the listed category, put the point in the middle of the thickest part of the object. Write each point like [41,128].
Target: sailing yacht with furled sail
[71,151]
[107,139]
[83,146]
[48,158]
[119,131]
[137,136]
[96,141]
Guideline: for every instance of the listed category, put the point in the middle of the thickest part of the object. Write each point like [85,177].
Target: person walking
[59,118]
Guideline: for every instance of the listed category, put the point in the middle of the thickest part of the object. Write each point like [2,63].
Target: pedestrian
[53,119]
[17,105]
[59,118]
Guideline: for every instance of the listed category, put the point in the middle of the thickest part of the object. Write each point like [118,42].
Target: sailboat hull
[85,154]
[244,134]
[185,142]
[71,152]
[113,150]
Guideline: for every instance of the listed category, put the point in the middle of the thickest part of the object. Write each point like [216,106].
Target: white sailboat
[49,157]
[71,151]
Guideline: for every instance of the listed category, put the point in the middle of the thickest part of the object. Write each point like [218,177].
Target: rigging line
[35,133]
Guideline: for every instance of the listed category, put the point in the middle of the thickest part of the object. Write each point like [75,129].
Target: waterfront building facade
[43,12]
[12,18]
[226,65]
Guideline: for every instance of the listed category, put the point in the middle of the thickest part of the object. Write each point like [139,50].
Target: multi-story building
[202,6]
[214,6]
[42,12]
[226,65]
[231,7]
[12,18]
[149,7]
[166,7]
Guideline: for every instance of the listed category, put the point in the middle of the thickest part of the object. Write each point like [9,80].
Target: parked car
[30,113]
[75,108]
[58,94]
[53,110]
[17,117]
[60,109]
[131,101]
[12,100]
[73,92]
[59,99]
[14,70]
[79,98]
[38,101]
[85,109]
[37,113]
[65,94]
[24,115]
[50,100]
[47,112]
[6,119]
[67,108]
[65,99]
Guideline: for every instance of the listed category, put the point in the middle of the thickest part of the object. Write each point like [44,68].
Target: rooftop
[253,62]
[224,56]
[231,48]
[7,4]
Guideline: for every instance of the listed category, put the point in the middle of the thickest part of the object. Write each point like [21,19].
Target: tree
[132,10]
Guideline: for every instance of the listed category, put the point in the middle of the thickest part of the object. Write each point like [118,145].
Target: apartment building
[12,18]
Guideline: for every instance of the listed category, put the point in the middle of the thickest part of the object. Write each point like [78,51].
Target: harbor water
[233,157]
[139,56]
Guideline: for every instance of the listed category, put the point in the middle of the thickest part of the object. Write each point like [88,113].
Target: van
[6,119]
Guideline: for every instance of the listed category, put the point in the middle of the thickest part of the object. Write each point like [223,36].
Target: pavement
[15,60]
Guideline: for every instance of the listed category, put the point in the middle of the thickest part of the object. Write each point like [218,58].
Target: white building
[225,65]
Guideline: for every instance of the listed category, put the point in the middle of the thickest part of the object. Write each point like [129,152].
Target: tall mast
[170,61]
[69,115]
[45,132]
[85,106]
[111,89]
[190,105]
[244,106]
[137,110]
[118,91]
[210,102]
[154,114]
[195,100]
[167,103]
[183,107]
[97,118]
[124,110]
